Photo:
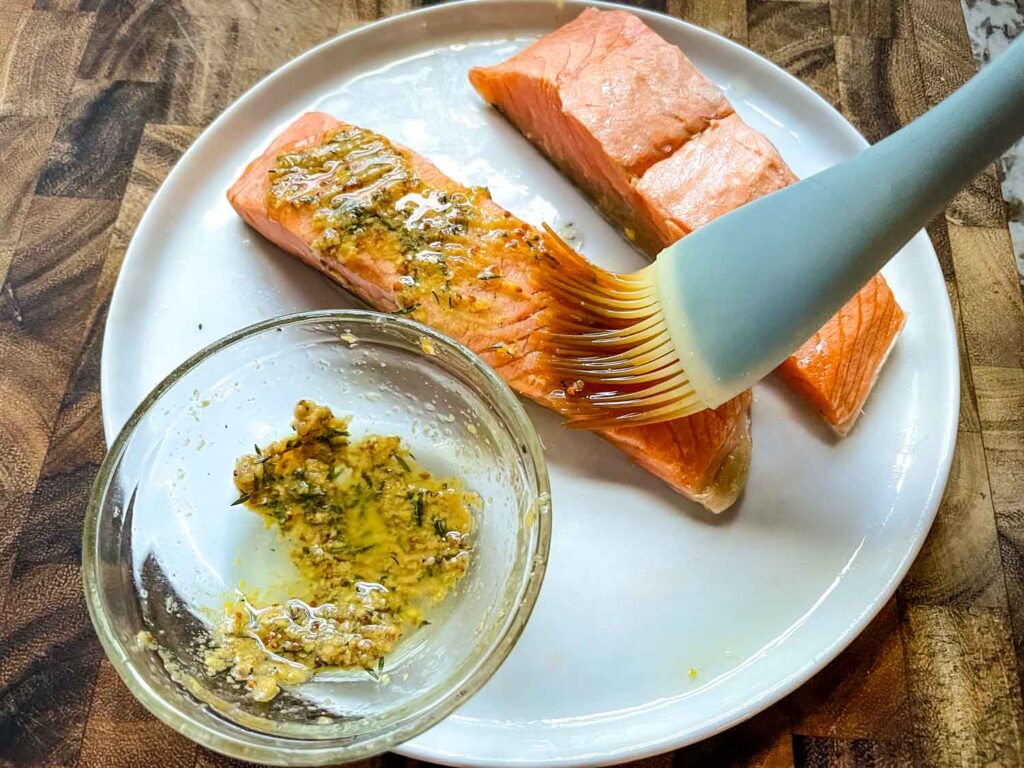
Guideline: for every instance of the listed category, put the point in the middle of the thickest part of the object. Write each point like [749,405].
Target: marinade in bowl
[168,547]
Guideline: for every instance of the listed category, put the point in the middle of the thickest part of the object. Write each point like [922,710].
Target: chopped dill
[419,506]
[378,673]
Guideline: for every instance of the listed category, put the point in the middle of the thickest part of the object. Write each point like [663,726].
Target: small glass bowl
[164,550]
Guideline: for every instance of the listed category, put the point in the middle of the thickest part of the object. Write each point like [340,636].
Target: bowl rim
[231,740]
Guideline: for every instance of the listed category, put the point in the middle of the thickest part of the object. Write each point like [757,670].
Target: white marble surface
[992,25]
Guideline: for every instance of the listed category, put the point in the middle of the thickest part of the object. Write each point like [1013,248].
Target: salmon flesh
[660,150]
[390,227]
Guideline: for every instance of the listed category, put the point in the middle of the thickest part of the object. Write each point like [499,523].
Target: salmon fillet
[660,150]
[836,368]
[726,165]
[390,227]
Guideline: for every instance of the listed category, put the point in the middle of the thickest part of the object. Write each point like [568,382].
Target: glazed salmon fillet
[390,227]
[660,150]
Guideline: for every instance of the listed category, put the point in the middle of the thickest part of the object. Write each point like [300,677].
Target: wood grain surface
[98,99]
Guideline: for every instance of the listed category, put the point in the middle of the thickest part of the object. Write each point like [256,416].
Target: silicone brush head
[612,346]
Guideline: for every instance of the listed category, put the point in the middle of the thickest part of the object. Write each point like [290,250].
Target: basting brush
[724,306]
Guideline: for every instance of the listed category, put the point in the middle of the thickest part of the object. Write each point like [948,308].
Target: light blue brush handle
[758,282]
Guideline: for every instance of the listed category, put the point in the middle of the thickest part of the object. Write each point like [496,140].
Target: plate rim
[764,697]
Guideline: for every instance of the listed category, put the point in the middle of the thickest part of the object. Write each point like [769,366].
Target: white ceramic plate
[642,586]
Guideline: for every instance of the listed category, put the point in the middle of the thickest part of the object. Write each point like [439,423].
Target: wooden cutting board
[98,99]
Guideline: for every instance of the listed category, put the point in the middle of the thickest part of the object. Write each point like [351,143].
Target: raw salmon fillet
[836,368]
[390,227]
[660,150]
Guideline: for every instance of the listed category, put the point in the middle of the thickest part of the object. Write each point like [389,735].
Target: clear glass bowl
[163,550]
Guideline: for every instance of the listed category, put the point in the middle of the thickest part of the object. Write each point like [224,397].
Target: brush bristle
[611,346]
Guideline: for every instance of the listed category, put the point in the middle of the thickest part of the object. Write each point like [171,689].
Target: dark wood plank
[39,68]
[53,286]
[764,741]
[880,84]
[44,696]
[944,52]
[237,9]
[1010,523]
[120,733]
[391,7]
[130,39]
[286,28]
[725,17]
[159,149]
[1001,409]
[51,532]
[207,759]
[24,142]
[77,445]
[50,701]
[965,696]
[355,13]
[871,18]
[1001,412]
[650,5]
[797,37]
[861,695]
[48,661]
[938,233]
[391,760]
[10,22]
[818,752]
[204,71]
[943,48]
[980,203]
[969,420]
[57,5]
[41,330]
[990,295]
[960,562]
[94,146]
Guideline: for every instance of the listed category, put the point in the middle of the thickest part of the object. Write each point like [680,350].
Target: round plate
[659,623]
